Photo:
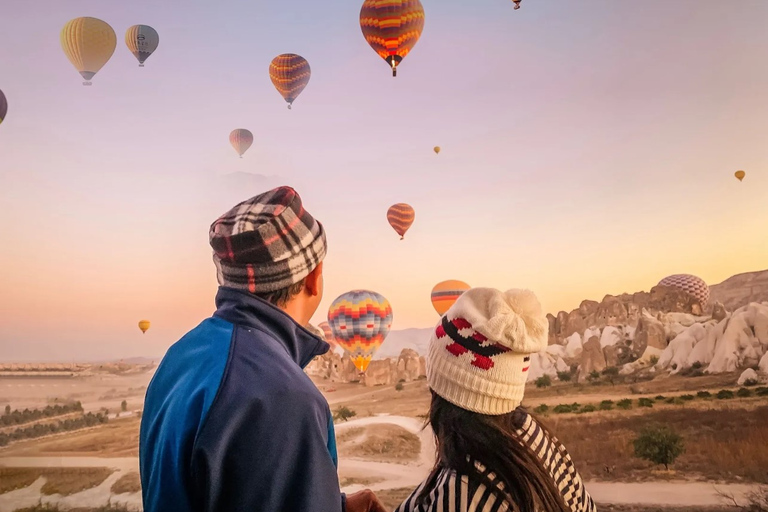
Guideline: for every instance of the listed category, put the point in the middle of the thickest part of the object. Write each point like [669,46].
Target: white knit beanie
[480,352]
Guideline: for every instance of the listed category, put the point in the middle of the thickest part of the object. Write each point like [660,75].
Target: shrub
[611,371]
[543,382]
[654,360]
[343,413]
[624,404]
[687,398]
[697,365]
[587,408]
[704,394]
[645,402]
[761,391]
[564,376]
[724,394]
[675,400]
[563,409]
[399,386]
[744,393]
[750,382]
[659,444]
[606,405]
[542,409]
[594,375]
[660,398]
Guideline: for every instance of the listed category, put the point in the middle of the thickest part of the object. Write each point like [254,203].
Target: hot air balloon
[142,41]
[517,4]
[290,74]
[328,333]
[692,285]
[740,175]
[437,150]
[88,43]
[446,293]
[392,27]
[144,325]
[401,217]
[241,139]
[3,106]
[360,321]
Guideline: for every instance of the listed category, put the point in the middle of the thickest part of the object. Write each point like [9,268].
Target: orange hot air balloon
[392,27]
[445,294]
[437,150]
[740,175]
[401,217]
[290,74]
[144,325]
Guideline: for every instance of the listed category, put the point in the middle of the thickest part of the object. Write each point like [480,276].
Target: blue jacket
[232,423]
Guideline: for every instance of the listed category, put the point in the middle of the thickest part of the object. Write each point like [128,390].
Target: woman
[491,454]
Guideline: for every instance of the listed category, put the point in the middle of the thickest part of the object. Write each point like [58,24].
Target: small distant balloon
[3,106]
[144,325]
[446,293]
[241,139]
[740,175]
[290,74]
[401,217]
[328,333]
[437,150]
[142,41]
[88,43]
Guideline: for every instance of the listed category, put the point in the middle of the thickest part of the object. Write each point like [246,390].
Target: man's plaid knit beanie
[267,243]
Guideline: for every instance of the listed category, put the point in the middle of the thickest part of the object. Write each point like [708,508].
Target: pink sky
[587,148]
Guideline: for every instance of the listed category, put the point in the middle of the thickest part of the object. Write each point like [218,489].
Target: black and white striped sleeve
[456,493]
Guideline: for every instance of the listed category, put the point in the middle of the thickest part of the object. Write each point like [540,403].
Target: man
[231,422]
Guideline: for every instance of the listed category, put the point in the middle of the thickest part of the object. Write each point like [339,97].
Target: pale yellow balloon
[144,325]
[437,150]
[740,175]
[88,44]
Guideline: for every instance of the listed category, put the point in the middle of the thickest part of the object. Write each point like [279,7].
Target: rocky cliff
[407,367]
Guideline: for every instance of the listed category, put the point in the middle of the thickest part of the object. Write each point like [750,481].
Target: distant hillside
[741,289]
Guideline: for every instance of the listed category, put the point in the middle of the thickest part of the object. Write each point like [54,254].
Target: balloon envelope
[88,44]
[692,285]
[437,149]
[360,321]
[290,74]
[241,139]
[392,28]
[740,175]
[401,217]
[328,333]
[142,41]
[144,325]
[446,293]
[3,106]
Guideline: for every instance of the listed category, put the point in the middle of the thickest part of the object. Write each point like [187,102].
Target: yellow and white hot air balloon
[88,44]
[142,41]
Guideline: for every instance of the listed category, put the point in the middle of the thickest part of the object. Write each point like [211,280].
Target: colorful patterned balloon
[692,285]
[290,74]
[142,41]
[392,27]
[241,139]
[360,321]
[446,293]
[88,44]
[3,106]
[401,217]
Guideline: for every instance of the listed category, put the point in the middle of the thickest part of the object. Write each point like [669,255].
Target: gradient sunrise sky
[587,148]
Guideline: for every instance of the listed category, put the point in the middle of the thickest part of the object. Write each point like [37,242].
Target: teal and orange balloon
[392,28]
[446,293]
[360,321]
[290,74]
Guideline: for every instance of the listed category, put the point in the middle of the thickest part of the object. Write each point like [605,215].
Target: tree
[124,406]
[399,386]
[543,382]
[564,376]
[343,413]
[659,444]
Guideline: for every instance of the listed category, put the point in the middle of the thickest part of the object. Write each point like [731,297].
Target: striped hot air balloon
[401,217]
[142,41]
[88,44]
[3,106]
[290,74]
[392,28]
[692,285]
[328,333]
[360,321]
[241,139]
[446,293]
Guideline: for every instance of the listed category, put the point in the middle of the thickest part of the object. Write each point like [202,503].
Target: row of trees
[44,429]
[17,417]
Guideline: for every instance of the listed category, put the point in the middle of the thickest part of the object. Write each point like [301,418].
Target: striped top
[455,492]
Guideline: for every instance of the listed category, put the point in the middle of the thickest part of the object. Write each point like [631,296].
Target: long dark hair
[464,437]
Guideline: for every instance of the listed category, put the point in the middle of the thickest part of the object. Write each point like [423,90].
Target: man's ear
[312,283]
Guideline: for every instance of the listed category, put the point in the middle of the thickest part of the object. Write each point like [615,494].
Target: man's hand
[364,501]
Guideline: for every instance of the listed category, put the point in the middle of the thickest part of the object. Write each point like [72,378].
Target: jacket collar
[241,308]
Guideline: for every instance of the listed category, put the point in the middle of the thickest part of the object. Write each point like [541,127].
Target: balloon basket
[141,65]
[87,83]
[289,107]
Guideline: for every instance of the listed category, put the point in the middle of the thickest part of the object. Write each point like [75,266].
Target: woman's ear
[314,281]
